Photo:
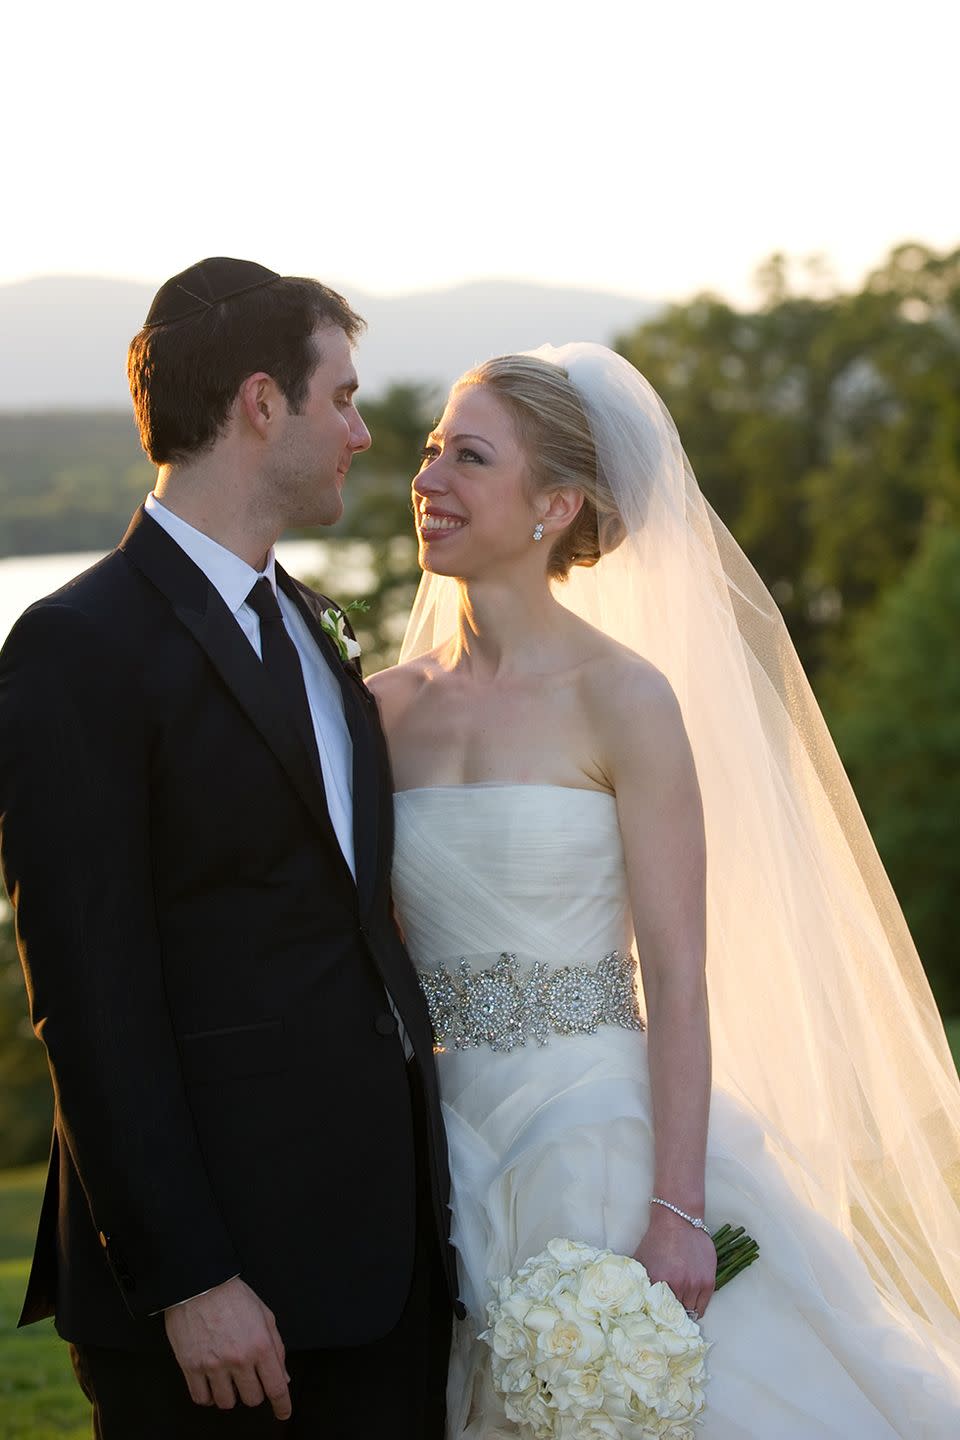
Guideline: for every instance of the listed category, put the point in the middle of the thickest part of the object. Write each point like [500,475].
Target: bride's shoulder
[630,701]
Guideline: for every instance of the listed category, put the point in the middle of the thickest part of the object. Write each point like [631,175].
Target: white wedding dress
[556,1139]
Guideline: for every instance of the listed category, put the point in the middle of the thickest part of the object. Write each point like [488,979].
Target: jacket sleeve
[75,849]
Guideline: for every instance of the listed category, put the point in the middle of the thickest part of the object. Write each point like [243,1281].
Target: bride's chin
[433,563]
[448,572]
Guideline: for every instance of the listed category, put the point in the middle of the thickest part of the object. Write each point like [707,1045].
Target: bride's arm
[651,769]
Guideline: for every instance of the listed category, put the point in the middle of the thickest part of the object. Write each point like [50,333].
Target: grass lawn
[39,1398]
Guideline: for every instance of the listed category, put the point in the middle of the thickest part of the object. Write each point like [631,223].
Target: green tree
[896,717]
[825,429]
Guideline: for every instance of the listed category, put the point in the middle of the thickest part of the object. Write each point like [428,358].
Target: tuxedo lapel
[199,607]
[357,706]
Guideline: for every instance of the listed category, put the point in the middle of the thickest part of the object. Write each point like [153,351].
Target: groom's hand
[227,1344]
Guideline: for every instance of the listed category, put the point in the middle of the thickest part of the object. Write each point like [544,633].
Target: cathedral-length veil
[822,1020]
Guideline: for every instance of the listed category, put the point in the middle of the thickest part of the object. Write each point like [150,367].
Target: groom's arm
[74,811]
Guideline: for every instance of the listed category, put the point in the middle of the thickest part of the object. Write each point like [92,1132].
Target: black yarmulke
[204,285]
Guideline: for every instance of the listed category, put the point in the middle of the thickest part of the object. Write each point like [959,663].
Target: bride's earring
[538,532]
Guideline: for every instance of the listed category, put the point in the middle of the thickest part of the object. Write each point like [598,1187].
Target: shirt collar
[230,576]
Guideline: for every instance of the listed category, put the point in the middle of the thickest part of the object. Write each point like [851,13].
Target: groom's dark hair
[184,376]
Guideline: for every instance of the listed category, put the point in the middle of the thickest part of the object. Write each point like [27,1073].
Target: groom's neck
[222,502]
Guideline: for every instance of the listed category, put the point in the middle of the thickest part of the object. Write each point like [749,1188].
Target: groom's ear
[258,403]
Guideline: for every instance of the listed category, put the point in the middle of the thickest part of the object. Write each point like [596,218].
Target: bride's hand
[686,1258]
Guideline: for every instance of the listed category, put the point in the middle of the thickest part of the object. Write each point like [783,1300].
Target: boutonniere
[333,625]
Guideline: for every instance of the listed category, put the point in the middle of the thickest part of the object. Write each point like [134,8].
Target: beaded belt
[501,1007]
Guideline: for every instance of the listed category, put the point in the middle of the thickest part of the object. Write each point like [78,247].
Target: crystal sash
[507,1003]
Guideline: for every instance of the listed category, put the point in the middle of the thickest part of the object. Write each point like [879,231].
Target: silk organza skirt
[558,1142]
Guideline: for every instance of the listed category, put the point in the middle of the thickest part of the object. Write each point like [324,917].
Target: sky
[656,150]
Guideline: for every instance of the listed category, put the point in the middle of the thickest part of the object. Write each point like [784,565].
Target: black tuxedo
[210,983]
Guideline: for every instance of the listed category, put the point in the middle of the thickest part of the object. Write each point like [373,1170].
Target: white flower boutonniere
[333,625]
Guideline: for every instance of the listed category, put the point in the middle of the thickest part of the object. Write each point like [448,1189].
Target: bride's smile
[434,523]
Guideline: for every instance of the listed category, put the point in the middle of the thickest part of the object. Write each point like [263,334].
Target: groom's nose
[360,438]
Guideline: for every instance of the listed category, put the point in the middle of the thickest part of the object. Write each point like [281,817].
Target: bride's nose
[429,481]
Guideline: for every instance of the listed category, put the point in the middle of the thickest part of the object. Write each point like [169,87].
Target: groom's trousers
[392,1388]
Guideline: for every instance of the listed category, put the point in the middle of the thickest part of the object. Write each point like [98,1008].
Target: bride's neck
[501,631]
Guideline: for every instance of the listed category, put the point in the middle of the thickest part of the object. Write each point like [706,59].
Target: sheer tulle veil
[823,1022]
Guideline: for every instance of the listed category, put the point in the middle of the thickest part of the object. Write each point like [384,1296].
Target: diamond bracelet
[692,1219]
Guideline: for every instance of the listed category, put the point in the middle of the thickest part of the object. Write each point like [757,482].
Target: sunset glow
[650,150]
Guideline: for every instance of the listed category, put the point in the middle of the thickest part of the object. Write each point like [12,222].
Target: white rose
[504,1288]
[561,1343]
[679,1399]
[677,1345]
[642,1364]
[571,1255]
[508,1339]
[517,1306]
[515,1378]
[614,1387]
[616,1285]
[529,1408]
[572,1344]
[692,1362]
[542,1281]
[534,1263]
[593,1342]
[665,1309]
[585,1391]
[595,1426]
[540,1317]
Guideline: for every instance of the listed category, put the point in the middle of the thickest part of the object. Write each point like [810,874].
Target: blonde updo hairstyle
[555,434]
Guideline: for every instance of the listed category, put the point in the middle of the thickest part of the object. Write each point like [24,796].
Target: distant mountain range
[63,338]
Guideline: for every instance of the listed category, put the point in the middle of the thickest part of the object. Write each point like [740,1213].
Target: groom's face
[316,447]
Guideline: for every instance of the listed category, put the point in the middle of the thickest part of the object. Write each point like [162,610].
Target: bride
[605,753]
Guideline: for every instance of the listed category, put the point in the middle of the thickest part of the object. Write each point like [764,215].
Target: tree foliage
[68,481]
[896,715]
[824,430]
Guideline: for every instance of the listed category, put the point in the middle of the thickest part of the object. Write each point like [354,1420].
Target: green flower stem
[726,1252]
[727,1261]
[728,1272]
[737,1248]
[728,1275]
[733,1235]
[735,1251]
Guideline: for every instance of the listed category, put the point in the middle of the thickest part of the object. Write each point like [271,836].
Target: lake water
[345,564]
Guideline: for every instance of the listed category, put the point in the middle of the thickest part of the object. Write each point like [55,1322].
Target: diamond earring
[538,532]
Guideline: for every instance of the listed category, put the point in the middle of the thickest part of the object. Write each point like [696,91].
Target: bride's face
[472,507]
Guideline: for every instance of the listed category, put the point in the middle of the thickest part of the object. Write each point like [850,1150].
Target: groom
[246,1208]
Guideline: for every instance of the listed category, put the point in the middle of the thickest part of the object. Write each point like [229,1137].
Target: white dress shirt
[233,578]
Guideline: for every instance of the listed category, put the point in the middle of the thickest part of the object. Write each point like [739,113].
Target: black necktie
[282,663]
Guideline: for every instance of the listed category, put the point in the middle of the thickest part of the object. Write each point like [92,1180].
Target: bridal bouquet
[585,1346]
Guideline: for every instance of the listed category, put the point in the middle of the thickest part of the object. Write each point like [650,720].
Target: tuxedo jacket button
[385,1024]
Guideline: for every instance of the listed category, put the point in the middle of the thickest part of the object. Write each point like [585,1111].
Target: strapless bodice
[536,870]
